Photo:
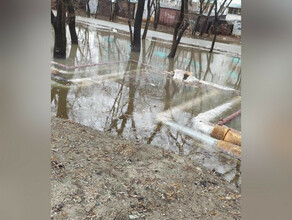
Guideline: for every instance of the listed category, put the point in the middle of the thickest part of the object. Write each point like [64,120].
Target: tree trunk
[175,45]
[209,28]
[137,26]
[146,28]
[215,36]
[202,9]
[96,11]
[196,25]
[129,23]
[71,22]
[178,34]
[148,19]
[88,8]
[203,30]
[156,14]
[216,26]
[113,11]
[60,45]
[59,24]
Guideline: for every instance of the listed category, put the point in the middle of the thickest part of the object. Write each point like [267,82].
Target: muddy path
[96,175]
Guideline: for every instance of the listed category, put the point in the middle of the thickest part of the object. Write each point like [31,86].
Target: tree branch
[205,6]
[225,7]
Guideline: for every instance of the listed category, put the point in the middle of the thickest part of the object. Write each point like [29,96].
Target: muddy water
[99,45]
[125,98]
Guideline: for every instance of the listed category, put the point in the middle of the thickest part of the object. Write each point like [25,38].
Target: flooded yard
[105,86]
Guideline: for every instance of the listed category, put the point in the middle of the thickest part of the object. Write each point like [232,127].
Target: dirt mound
[97,175]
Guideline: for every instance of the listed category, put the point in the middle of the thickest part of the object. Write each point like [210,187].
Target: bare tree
[122,113]
[180,27]
[203,6]
[221,9]
[71,21]
[225,4]
[216,26]
[150,4]
[130,22]
[204,27]
[113,10]
[59,24]
[137,26]
[156,13]
[88,8]
[136,37]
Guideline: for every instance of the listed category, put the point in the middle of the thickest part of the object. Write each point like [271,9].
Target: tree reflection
[238,81]
[84,48]
[72,55]
[188,67]
[117,116]
[208,68]
[167,101]
[59,96]
[234,69]
[132,67]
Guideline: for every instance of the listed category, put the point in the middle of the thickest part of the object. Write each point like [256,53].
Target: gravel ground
[96,175]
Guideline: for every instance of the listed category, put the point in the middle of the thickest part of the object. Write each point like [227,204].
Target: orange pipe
[227,134]
[229,148]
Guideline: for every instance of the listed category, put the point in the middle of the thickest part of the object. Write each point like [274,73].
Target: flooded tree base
[97,175]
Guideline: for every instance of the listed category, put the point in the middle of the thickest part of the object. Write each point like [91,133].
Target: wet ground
[97,175]
[102,44]
[187,41]
[123,93]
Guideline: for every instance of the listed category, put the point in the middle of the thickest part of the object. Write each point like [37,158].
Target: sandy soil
[96,175]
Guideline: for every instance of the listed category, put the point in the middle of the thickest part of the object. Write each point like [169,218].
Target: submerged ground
[100,176]
[106,103]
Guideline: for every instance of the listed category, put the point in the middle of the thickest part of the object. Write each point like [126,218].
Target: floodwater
[125,92]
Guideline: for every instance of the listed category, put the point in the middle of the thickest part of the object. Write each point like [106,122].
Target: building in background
[229,19]
[234,16]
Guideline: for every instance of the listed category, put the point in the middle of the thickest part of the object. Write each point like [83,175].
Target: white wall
[237,28]
[92,6]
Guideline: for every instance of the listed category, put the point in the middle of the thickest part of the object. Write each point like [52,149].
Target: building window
[234,11]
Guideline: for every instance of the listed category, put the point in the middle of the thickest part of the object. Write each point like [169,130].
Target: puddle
[97,45]
[125,98]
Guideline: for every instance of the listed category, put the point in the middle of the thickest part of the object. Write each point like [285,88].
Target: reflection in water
[99,46]
[167,100]
[128,114]
[127,101]
[128,105]
[59,98]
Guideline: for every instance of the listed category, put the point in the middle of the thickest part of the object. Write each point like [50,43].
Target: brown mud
[96,175]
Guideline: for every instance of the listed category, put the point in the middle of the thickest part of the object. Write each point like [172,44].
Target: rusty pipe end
[230,148]
[233,137]
[219,132]
[227,134]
